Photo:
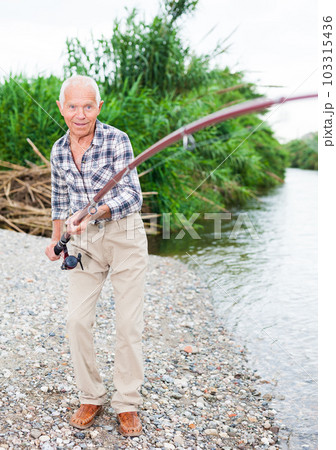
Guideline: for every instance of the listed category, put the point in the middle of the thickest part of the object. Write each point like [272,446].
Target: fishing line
[201,144]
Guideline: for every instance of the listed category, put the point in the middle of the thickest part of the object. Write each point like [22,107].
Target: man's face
[80,110]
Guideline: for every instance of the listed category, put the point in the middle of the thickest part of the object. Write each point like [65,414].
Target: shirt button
[126,178]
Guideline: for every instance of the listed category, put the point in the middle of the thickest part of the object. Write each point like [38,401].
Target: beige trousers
[121,247]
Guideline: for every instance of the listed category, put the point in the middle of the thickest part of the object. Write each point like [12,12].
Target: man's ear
[100,106]
[59,107]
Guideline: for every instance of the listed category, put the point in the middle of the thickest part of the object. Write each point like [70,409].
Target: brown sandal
[129,424]
[85,415]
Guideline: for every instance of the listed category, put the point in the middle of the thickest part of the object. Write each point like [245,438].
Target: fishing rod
[184,134]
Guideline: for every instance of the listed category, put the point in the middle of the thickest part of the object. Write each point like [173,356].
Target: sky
[273,42]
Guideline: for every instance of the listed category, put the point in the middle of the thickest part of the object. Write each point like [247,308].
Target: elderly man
[82,161]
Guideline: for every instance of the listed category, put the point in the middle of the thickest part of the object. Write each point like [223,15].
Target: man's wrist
[57,231]
[103,212]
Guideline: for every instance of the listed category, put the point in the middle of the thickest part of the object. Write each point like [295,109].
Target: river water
[262,269]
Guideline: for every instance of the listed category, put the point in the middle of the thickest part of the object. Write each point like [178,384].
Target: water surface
[264,283]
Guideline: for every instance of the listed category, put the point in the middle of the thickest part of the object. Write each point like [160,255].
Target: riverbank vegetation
[303,153]
[153,83]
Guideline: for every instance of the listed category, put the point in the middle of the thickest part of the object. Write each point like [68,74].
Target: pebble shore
[198,392]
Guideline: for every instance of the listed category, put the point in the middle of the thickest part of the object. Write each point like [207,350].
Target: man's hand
[77,229]
[102,213]
[49,251]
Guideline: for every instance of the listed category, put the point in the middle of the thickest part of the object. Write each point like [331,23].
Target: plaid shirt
[109,152]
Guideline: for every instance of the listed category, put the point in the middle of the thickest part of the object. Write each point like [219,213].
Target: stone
[35,433]
[181,382]
[267,425]
[47,446]
[179,387]
[198,393]
[223,435]
[167,379]
[176,395]
[211,432]
[168,446]
[79,435]
[93,434]
[179,440]
[252,419]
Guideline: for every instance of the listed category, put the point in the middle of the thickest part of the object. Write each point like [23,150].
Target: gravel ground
[198,391]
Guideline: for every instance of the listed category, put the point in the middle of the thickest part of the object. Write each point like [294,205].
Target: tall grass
[304,152]
[152,84]
[150,54]
[22,117]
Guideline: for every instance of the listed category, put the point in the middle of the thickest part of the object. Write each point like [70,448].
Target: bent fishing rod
[184,134]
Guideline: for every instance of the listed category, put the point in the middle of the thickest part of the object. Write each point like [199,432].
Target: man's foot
[129,424]
[85,415]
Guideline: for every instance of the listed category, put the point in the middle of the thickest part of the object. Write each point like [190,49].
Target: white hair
[76,80]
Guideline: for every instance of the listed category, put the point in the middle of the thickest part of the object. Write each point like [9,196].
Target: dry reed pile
[25,198]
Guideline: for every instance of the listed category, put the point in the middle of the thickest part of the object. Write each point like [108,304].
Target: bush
[153,84]
[304,152]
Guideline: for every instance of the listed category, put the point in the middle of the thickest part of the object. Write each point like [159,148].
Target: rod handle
[61,244]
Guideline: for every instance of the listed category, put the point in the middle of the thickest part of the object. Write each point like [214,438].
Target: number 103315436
[327,44]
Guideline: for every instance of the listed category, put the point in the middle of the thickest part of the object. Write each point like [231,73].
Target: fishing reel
[70,261]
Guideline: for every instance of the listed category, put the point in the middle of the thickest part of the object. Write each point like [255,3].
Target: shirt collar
[99,134]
